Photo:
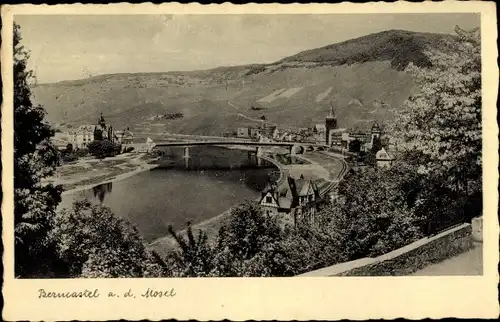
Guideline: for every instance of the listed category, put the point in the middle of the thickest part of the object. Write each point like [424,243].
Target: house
[383,158]
[82,136]
[264,139]
[119,136]
[128,137]
[243,132]
[150,144]
[319,129]
[336,138]
[146,147]
[275,133]
[293,201]
[254,132]
[61,140]
[287,137]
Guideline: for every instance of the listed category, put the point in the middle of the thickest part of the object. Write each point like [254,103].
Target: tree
[93,242]
[441,124]
[243,240]
[355,145]
[69,148]
[34,158]
[375,215]
[103,148]
[194,258]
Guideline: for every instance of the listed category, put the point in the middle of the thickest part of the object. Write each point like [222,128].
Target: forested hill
[398,46]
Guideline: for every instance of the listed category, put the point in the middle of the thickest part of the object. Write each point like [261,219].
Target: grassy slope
[363,74]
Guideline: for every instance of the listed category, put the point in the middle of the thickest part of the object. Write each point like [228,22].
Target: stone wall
[408,259]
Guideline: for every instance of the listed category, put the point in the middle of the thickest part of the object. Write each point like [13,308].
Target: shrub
[83,152]
[375,214]
[103,148]
[93,242]
[68,157]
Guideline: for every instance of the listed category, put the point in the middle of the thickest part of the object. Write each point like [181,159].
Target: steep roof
[382,154]
[289,190]
[86,128]
[128,133]
[284,202]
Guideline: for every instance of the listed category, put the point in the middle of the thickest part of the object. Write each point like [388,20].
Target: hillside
[362,78]
[398,46]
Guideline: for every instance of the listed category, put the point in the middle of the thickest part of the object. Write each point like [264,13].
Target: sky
[66,47]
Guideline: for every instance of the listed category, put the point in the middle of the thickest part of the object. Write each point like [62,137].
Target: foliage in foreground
[250,244]
[441,124]
[375,214]
[95,243]
[34,159]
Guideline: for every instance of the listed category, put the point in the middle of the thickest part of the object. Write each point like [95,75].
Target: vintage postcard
[276,162]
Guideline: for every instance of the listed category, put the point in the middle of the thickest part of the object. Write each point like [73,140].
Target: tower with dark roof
[376,131]
[330,124]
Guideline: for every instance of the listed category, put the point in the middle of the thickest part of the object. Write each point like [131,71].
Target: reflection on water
[102,190]
[155,199]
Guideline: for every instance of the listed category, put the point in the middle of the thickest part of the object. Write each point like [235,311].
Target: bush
[80,153]
[68,157]
[93,242]
[69,148]
[253,244]
[103,148]
[375,214]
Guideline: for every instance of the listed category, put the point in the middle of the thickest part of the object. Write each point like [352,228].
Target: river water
[217,179]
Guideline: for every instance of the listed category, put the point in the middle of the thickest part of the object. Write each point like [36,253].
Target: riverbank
[167,244]
[87,173]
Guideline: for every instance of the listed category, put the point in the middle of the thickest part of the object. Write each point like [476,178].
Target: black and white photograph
[247,145]
[238,146]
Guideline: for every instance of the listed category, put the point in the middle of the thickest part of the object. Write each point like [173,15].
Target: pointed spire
[332,112]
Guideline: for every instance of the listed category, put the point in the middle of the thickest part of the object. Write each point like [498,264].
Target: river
[219,178]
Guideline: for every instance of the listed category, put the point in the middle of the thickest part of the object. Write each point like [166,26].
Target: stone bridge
[294,147]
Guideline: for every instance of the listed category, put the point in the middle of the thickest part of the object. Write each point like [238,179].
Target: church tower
[330,124]
[376,132]
[102,122]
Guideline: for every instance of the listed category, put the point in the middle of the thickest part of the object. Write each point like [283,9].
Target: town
[294,199]
[353,141]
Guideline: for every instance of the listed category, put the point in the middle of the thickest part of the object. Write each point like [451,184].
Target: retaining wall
[408,259]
